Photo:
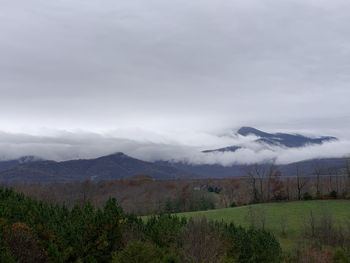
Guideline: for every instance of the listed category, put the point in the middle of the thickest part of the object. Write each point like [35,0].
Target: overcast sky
[172,72]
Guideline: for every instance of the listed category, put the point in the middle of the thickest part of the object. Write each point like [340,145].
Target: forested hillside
[32,231]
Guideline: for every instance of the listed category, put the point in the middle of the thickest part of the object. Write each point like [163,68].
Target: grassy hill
[293,215]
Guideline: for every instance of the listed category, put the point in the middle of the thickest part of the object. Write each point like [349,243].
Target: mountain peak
[117,155]
[289,140]
[245,130]
[29,159]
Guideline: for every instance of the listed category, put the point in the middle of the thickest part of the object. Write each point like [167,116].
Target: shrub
[333,194]
[233,204]
[307,196]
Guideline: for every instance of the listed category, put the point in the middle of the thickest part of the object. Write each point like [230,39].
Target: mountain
[115,166]
[209,170]
[275,139]
[119,165]
[9,164]
[326,166]
[284,139]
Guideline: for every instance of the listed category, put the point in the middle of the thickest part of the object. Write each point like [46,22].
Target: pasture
[287,220]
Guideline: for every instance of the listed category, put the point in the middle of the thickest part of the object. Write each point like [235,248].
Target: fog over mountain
[188,147]
[167,80]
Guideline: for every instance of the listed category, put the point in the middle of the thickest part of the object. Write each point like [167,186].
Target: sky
[160,79]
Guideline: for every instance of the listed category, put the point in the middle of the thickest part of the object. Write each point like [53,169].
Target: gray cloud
[179,67]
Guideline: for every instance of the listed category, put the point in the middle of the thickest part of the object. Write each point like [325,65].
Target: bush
[307,196]
[333,194]
[233,204]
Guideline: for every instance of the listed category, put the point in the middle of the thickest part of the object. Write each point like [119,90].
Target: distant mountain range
[7,165]
[115,166]
[326,166]
[275,139]
[30,169]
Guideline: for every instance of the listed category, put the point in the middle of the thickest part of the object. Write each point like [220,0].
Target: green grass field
[293,214]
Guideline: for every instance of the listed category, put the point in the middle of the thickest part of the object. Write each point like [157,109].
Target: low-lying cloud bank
[148,146]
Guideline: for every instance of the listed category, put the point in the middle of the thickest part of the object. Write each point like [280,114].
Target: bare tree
[252,182]
[201,242]
[317,171]
[301,181]
[287,183]
[256,175]
[272,172]
[348,167]
[332,175]
[276,186]
[347,174]
[230,188]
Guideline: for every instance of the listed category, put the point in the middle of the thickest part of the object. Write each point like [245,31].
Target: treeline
[143,195]
[34,231]
[266,183]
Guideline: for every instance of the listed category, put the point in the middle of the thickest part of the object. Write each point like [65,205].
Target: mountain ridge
[113,166]
[119,165]
[287,140]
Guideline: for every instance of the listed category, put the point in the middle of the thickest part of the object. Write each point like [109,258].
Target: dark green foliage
[333,194]
[307,196]
[164,230]
[252,245]
[82,233]
[341,256]
[318,195]
[233,204]
[32,231]
[196,201]
[141,252]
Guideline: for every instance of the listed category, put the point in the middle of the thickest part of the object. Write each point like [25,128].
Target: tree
[229,192]
[142,252]
[317,171]
[23,244]
[274,185]
[256,174]
[348,167]
[301,182]
[202,242]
